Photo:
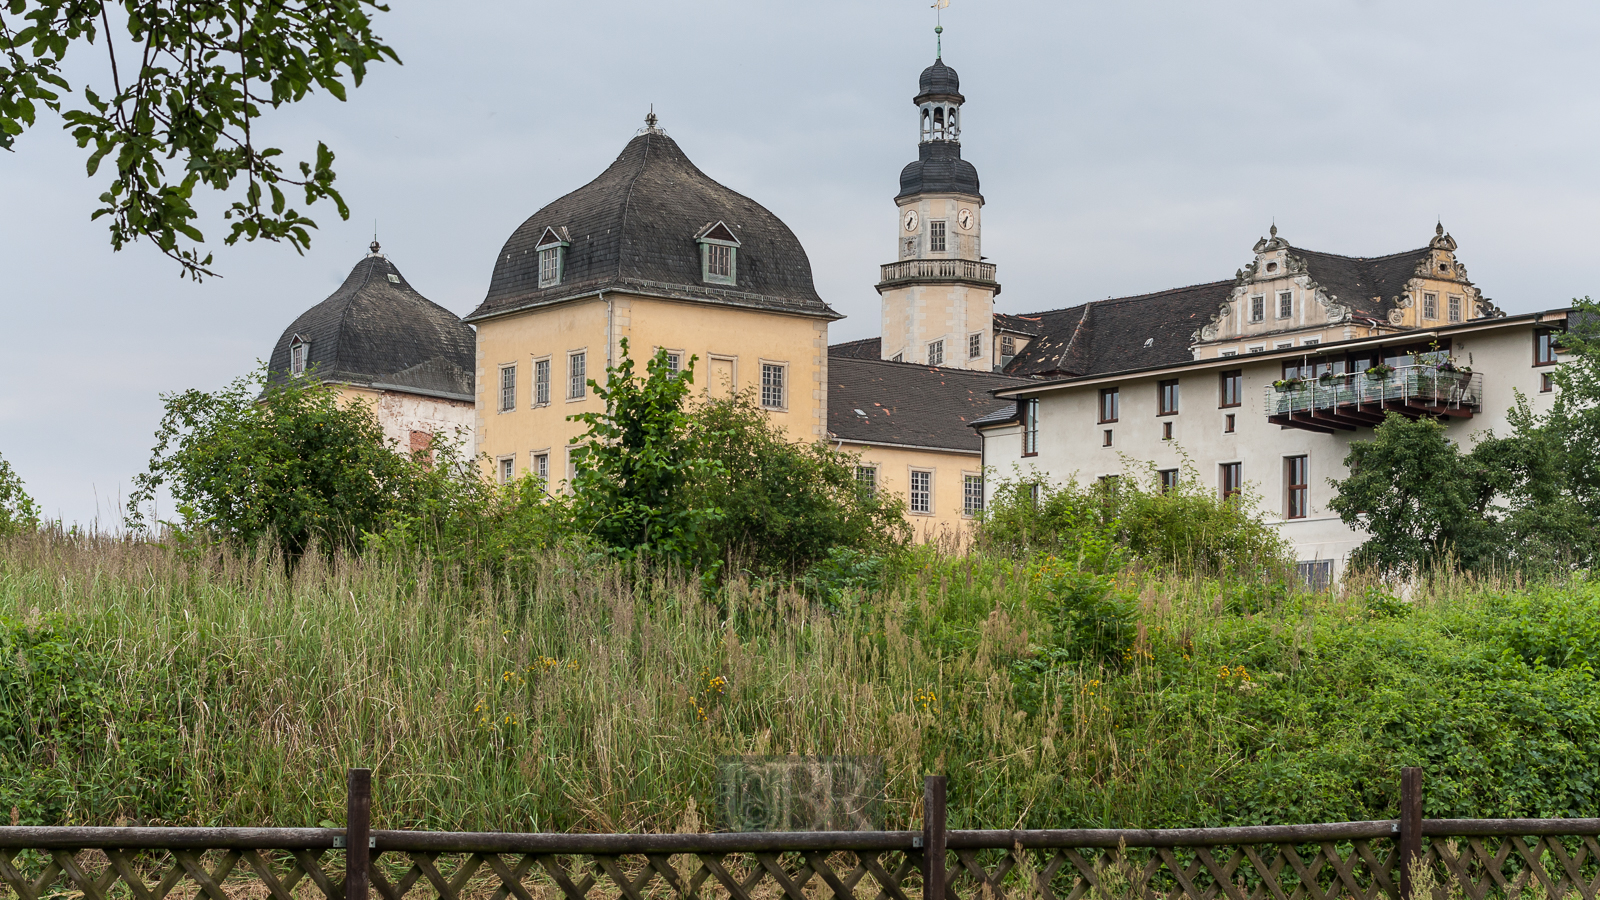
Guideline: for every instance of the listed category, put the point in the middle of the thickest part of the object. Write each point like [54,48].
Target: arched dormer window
[552,249]
[299,355]
[719,254]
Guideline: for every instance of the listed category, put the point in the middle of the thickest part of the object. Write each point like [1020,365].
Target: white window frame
[782,368]
[674,359]
[936,352]
[545,362]
[505,469]
[1430,306]
[303,346]
[581,385]
[1259,348]
[1283,298]
[551,258]
[1283,345]
[870,470]
[1258,308]
[721,245]
[1310,342]
[1233,352]
[508,388]
[1008,345]
[938,236]
[534,458]
[911,492]
[1456,307]
[971,504]
[975,345]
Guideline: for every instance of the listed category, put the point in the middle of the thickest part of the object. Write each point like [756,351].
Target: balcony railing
[1356,400]
[938,270]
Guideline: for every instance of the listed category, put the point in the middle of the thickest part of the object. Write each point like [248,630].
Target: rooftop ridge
[943,370]
[1360,258]
[1130,297]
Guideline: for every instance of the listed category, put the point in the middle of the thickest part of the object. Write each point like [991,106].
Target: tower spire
[938,28]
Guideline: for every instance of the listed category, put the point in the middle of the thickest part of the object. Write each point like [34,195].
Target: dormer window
[299,353]
[552,249]
[719,254]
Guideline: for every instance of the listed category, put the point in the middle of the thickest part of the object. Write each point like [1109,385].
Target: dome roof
[376,330]
[939,169]
[939,80]
[634,229]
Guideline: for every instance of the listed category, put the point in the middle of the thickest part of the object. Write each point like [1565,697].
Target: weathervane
[938,27]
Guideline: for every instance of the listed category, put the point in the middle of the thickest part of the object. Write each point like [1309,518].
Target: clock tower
[938,295]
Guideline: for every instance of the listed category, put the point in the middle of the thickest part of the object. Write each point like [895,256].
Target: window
[719,255]
[1544,347]
[936,353]
[971,494]
[674,362]
[1232,388]
[576,380]
[1168,395]
[508,388]
[1166,430]
[549,266]
[541,465]
[1430,306]
[1109,403]
[1286,304]
[1317,574]
[922,492]
[1310,342]
[1283,345]
[974,345]
[936,236]
[1105,439]
[867,479]
[1297,480]
[1259,348]
[541,382]
[508,469]
[1169,480]
[1258,308]
[772,395]
[1030,427]
[1110,483]
[1008,345]
[1227,424]
[898,357]
[1234,352]
[1455,308]
[1547,382]
[1232,480]
[299,351]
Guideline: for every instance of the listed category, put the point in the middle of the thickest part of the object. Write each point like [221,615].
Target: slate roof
[1017,324]
[1355,281]
[939,169]
[1123,333]
[939,80]
[376,329]
[634,228]
[866,348]
[910,404]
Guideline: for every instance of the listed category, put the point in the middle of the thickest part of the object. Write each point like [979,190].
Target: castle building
[379,341]
[654,252]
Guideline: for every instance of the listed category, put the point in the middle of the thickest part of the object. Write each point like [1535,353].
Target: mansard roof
[879,402]
[377,330]
[634,229]
[939,169]
[1122,333]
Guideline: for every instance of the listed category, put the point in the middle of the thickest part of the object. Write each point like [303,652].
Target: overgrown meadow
[144,684]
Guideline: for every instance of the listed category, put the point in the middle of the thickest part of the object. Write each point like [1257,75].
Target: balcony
[937,270]
[1357,400]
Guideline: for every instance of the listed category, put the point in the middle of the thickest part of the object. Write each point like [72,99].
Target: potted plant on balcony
[1286,385]
[1327,377]
[1380,371]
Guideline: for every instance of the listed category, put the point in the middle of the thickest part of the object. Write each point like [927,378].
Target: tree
[290,463]
[1575,417]
[633,463]
[198,75]
[18,512]
[783,506]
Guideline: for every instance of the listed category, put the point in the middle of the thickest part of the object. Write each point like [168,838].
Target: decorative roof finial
[1274,229]
[1438,228]
[650,120]
[374,248]
[938,28]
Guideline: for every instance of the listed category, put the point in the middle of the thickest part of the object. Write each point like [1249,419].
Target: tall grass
[597,700]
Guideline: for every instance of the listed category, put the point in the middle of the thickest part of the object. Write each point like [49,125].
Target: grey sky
[1123,147]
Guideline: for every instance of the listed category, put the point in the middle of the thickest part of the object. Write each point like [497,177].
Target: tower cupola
[939,103]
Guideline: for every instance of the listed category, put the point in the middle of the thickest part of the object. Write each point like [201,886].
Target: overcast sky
[1123,147]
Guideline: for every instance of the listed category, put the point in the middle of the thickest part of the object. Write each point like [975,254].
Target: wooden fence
[1473,859]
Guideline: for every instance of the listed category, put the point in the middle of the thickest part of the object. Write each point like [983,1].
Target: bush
[783,506]
[292,464]
[1186,528]
[18,512]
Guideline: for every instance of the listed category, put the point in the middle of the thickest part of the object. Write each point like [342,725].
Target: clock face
[964,219]
[911,220]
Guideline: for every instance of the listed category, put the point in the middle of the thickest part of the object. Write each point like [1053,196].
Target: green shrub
[18,512]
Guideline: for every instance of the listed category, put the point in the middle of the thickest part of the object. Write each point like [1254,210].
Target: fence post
[933,809]
[1410,827]
[357,832]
